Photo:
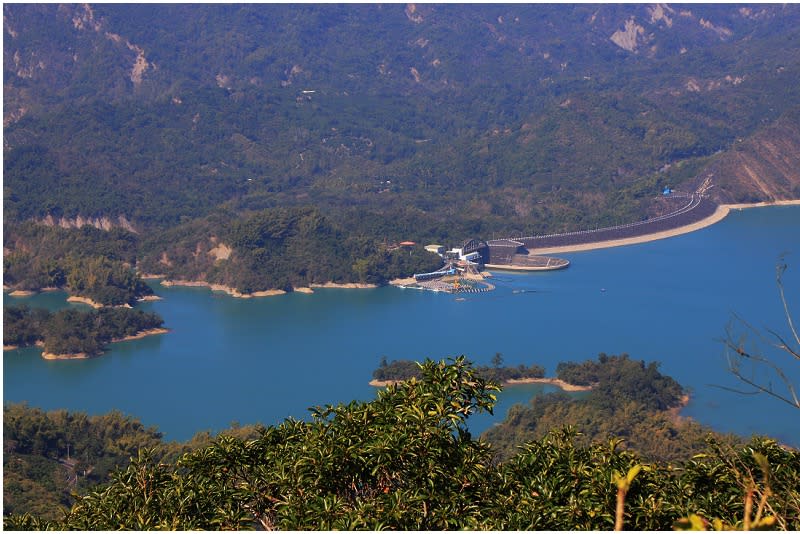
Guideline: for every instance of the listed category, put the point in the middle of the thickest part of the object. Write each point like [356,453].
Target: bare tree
[772,361]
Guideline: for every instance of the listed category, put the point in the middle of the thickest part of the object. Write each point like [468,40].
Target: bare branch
[736,352]
[734,363]
[782,345]
[737,391]
[779,270]
[768,390]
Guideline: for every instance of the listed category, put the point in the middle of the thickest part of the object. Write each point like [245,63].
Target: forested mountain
[396,122]
[163,112]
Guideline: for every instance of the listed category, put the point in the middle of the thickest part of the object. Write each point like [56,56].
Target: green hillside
[526,118]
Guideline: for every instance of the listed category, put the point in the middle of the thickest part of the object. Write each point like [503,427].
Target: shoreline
[71,356]
[223,289]
[566,386]
[510,382]
[719,214]
[346,285]
[29,292]
[22,293]
[78,299]
[675,412]
[265,293]
[97,305]
[383,383]
[143,334]
[85,300]
[85,356]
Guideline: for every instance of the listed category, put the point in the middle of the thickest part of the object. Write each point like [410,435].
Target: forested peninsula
[274,249]
[406,460]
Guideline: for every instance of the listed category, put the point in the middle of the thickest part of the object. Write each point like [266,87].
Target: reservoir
[265,359]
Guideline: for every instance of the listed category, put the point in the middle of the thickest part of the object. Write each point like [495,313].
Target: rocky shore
[85,300]
[224,289]
[566,386]
[265,293]
[348,285]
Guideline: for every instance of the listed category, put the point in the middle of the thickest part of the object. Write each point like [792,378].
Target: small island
[75,334]
[396,371]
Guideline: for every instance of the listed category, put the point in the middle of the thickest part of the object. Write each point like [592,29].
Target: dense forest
[72,331]
[50,456]
[376,124]
[86,262]
[278,248]
[405,460]
[628,399]
[619,376]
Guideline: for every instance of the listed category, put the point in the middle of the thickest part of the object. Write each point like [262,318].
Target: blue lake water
[262,360]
